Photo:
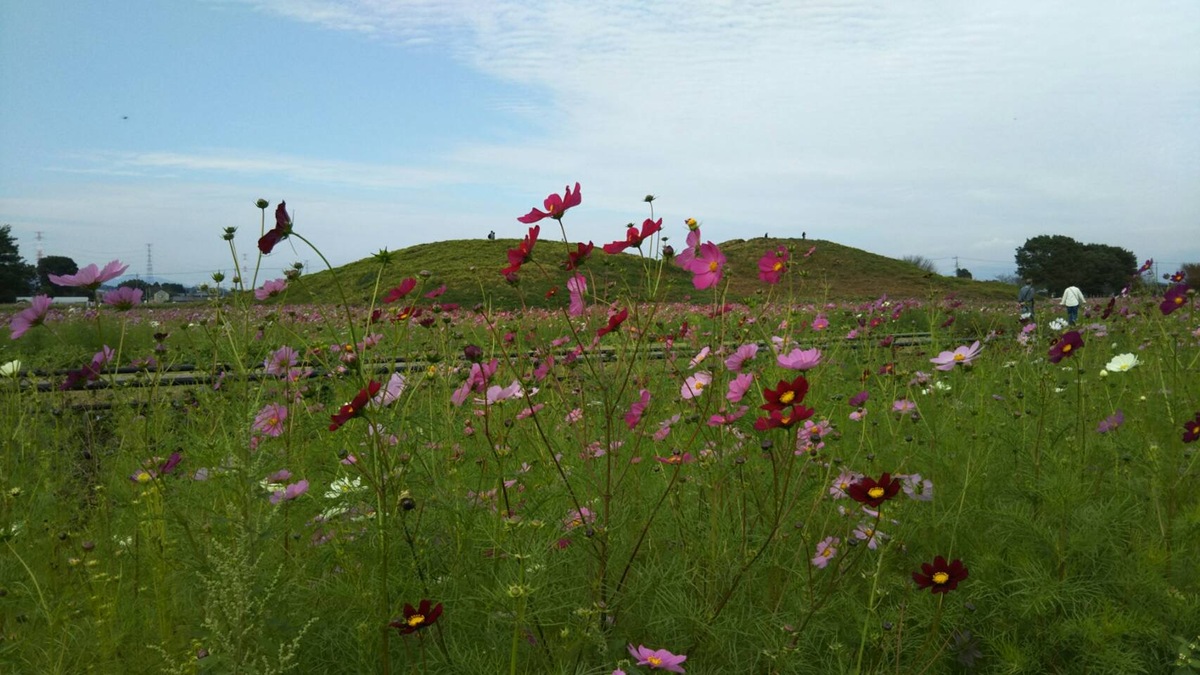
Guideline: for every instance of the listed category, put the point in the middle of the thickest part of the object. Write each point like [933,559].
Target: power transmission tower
[39,246]
[149,263]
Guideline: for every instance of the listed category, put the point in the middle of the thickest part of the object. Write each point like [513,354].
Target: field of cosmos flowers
[616,486]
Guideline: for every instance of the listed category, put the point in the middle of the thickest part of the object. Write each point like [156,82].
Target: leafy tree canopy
[1055,262]
[16,275]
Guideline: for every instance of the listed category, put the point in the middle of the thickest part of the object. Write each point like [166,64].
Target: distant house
[160,297]
[64,300]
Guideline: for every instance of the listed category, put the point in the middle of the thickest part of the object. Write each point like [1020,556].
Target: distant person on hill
[1025,296]
[1071,299]
[803,236]
[492,235]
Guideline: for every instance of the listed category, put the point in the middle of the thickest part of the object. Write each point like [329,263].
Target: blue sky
[933,128]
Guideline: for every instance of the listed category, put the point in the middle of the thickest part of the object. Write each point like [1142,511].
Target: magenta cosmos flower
[1067,345]
[283,228]
[633,237]
[707,266]
[33,315]
[772,265]
[694,385]
[658,659]
[959,357]
[292,491]
[1174,298]
[270,289]
[124,298]
[555,206]
[634,415]
[523,253]
[91,276]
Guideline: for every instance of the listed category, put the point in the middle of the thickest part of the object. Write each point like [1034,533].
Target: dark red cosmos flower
[785,418]
[283,227]
[785,394]
[1191,429]
[171,462]
[940,577]
[874,492]
[1175,298]
[1176,277]
[424,615]
[1108,309]
[614,322]
[634,238]
[522,253]
[576,258]
[555,206]
[1066,345]
[354,408]
[1146,266]
[400,291]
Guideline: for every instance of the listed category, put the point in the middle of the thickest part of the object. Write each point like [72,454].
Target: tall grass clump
[597,480]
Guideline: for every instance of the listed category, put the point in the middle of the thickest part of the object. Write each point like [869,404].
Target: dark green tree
[963,273]
[58,265]
[16,275]
[1055,262]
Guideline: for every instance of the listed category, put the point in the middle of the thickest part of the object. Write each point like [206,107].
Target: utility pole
[149,263]
[39,246]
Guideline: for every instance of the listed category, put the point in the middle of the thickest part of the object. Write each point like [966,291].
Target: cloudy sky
[937,128]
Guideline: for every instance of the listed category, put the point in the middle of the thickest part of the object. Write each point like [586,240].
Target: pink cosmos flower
[695,384]
[740,356]
[124,298]
[826,550]
[658,659]
[555,206]
[738,387]
[90,277]
[916,487]
[664,428]
[391,391]
[722,418]
[33,315]
[842,483]
[706,268]
[269,421]
[1111,422]
[867,532]
[800,359]
[959,357]
[685,259]
[635,411]
[772,265]
[584,516]
[496,393]
[903,406]
[634,238]
[405,287]
[290,492]
[576,287]
[699,357]
[280,361]
[270,289]
[820,323]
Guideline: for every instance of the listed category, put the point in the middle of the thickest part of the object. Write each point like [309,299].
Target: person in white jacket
[1072,298]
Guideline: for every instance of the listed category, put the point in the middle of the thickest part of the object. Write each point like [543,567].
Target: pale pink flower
[576,287]
[269,421]
[826,550]
[723,417]
[820,323]
[695,384]
[664,427]
[658,659]
[270,289]
[33,315]
[959,357]
[290,492]
[699,357]
[391,391]
[280,361]
[123,298]
[574,416]
[90,277]
[800,359]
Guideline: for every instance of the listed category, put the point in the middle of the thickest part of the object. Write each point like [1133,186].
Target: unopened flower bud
[262,203]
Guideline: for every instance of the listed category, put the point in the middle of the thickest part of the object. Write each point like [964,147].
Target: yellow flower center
[348,348]
[787,397]
[144,477]
[273,421]
[940,578]
[827,552]
[654,661]
[785,419]
[875,492]
[1179,299]
[959,357]
[1067,347]
[416,620]
[777,266]
[712,266]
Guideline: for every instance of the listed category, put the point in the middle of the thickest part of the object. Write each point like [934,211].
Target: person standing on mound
[1025,297]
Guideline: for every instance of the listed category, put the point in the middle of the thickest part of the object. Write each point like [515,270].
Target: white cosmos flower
[10,369]
[344,486]
[1121,363]
[1058,324]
